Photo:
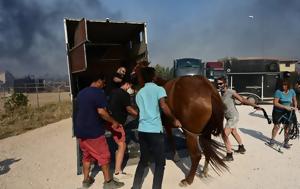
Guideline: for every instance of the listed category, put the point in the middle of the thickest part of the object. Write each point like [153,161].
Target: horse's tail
[215,127]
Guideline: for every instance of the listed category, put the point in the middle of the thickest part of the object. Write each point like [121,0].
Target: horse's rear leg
[195,155]
[172,143]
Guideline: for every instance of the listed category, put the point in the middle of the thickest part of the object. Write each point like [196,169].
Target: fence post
[59,94]
[37,95]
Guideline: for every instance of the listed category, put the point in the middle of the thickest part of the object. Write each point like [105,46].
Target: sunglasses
[220,83]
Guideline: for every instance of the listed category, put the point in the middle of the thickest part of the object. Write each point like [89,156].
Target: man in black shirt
[119,107]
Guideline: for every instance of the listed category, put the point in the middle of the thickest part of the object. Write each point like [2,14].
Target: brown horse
[199,107]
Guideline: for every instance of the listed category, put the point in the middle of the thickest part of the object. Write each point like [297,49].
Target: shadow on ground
[5,165]
[133,153]
[256,134]
[259,115]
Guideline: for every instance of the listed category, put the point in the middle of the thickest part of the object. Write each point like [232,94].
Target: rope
[194,135]
[265,114]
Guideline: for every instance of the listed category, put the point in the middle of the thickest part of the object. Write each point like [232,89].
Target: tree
[164,72]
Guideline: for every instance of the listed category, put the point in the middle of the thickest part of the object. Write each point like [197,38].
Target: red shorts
[118,133]
[95,149]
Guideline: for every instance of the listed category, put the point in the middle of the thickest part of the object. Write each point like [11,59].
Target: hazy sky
[32,34]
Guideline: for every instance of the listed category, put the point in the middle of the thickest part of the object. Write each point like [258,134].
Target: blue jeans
[151,144]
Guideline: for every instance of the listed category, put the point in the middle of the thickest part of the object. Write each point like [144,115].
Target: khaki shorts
[232,122]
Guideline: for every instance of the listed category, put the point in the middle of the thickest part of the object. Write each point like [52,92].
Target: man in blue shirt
[88,128]
[149,100]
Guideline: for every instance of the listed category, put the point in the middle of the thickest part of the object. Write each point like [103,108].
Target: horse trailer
[258,78]
[95,47]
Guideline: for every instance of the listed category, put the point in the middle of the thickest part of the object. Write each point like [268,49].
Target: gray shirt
[228,100]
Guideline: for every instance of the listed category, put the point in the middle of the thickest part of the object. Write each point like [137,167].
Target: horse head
[137,78]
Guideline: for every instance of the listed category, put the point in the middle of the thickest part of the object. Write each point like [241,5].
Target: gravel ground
[46,158]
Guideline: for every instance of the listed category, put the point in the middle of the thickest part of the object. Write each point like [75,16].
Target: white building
[6,81]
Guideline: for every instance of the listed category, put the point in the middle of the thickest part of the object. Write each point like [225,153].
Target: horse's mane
[136,70]
[160,81]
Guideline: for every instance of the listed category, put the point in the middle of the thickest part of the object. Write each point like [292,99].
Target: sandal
[87,183]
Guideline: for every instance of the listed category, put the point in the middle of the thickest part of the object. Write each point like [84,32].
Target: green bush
[15,101]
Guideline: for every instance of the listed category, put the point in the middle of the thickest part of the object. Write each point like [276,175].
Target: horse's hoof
[205,174]
[201,175]
[183,183]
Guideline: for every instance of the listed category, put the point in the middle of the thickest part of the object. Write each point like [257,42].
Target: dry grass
[46,98]
[40,98]
[29,118]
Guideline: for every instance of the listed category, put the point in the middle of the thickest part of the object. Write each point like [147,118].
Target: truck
[101,46]
[188,66]
[214,70]
[257,78]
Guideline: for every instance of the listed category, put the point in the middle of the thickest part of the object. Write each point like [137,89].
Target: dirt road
[45,159]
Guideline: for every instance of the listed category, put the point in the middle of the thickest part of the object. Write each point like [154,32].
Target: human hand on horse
[177,123]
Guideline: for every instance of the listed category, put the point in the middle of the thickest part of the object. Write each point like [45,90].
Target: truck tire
[253,99]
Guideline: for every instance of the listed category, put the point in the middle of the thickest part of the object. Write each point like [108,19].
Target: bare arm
[131,111]
[105,115]
[244,100]
[295,102]
[278,105]
[165,108]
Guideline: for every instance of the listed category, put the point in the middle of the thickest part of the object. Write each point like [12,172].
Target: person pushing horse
[231,116]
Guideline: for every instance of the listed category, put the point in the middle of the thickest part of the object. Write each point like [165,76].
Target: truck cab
[214,70]
[188,66]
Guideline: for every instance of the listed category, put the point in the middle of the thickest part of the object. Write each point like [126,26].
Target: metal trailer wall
[255,78]
[95,47]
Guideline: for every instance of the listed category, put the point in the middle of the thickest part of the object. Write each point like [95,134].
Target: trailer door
[270,81]
[77,46]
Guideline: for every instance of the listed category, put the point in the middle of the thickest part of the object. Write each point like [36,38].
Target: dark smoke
[224,28]
[32,33]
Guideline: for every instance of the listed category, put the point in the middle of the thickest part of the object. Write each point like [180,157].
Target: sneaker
[271,142]
[286,145]
[228,157]
[87,183]
[241,149]
[122,175]
[112,184]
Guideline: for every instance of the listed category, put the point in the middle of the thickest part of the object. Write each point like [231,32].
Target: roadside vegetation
[164,72]
[18,117]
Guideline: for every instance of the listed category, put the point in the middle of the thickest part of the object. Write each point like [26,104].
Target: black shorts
[282,117]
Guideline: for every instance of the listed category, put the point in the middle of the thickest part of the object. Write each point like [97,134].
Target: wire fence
[37,95]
